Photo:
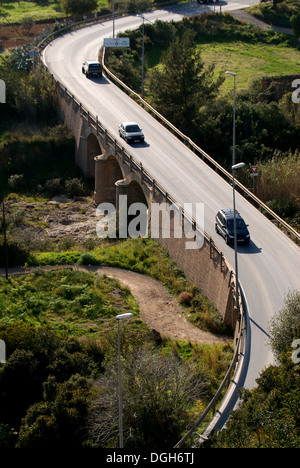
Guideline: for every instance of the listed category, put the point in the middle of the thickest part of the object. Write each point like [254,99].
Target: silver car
[90,68]
[131,132]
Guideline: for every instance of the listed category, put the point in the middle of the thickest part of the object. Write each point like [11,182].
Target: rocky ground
[53,221]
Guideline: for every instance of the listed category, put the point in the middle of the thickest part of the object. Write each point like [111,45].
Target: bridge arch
[93,150]
[133,189]
[132,206]
[107,173]
[135,193]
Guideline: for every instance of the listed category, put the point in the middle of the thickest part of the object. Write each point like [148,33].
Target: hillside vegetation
[59,327]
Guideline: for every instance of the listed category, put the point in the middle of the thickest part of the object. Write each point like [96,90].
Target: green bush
[39,161]
[295,22]
[285,325]
[74,188]
[53,186]
[78,7]
[54,258]
[88,259]
[54,392]
[17,254]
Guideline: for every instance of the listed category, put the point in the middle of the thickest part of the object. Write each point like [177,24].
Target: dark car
[225,226]
[131,132]
[92,68]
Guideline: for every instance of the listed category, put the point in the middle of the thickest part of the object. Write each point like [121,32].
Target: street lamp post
[233,124]
[113,19]
[234,167]
[5,241]
[143,52]
[143,57]
[120,317]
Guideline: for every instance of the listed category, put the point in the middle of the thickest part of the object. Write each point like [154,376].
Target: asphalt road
[269,267]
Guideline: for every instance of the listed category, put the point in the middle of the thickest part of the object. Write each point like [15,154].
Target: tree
[295,22]
[285,326]
[27,23]
[59,420]
[78,7]
[268,415]
[36,97]
[183,85]
[43,387]
[19,383]
[158,394]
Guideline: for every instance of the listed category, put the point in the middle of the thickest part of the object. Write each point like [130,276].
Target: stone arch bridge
[116,173]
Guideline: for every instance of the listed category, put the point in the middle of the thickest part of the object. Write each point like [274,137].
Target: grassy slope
[239,47]
[16,11]
[250,61]
[279,16]
[76,302]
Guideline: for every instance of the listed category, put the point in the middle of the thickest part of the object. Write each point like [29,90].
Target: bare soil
[13,35]
[54,220]
[158,309]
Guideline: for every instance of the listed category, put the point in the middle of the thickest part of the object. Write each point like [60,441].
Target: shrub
[74,188]
[295,22]
[16,182]
[17,254]
[158,391]
[283,326]
[27,23]
[53,186]
[185,298]
[78,7]
[88,259]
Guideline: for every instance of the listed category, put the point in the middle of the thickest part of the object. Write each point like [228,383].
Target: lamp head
[238,166]
[124,316]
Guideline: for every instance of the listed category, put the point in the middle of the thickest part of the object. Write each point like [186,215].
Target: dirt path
[158,309]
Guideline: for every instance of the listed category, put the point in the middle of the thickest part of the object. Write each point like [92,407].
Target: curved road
[269,267]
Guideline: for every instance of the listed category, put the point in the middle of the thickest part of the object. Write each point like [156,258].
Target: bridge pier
[107,172]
